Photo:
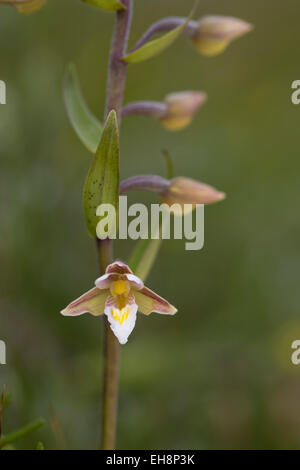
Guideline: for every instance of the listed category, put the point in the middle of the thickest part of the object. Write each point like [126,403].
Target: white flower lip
[122,321]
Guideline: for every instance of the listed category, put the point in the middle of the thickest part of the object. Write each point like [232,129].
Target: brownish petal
[118,267]
[92,302]
[148,302]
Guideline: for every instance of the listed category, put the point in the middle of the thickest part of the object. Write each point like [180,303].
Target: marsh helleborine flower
[119,294]
[215,33]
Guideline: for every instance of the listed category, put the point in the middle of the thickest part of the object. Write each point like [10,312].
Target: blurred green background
[219,373]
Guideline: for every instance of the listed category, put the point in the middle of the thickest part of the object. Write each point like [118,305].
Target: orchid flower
[119,294]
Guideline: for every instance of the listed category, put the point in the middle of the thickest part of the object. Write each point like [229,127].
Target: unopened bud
[215,33]
[181,107]
[27,6]
[188,191]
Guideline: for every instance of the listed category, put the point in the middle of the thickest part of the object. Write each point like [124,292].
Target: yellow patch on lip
[120,316]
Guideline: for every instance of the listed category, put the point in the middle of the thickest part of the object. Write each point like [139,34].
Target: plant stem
[117,67]
[111,353]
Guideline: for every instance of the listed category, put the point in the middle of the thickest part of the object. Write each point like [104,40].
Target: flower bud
[27,6]
[215,33]
[188,191]
[181,107]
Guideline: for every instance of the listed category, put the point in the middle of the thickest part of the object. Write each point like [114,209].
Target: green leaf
[85,124]
[106,4]
[20,433]
[102,183]
[156,46]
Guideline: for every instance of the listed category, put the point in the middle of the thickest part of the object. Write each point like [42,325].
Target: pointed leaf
[31,6]
[102,183]
[85,124]
[106,4]
[156,46]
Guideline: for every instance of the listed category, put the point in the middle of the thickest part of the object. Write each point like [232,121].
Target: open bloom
[119,294]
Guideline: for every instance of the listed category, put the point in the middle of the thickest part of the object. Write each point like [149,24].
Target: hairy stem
[117,68]
[165,25]
[111,354]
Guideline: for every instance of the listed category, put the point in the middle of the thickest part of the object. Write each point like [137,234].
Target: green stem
[111,353]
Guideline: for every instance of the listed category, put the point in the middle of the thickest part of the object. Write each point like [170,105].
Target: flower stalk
[153,183]
[117,68]
[153,109]
[111,353]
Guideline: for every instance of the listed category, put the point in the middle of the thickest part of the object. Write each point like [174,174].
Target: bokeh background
[219,373]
